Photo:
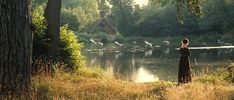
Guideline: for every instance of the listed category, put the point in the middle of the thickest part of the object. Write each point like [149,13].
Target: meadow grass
[94,84]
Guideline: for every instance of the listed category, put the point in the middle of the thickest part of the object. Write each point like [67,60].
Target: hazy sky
[141,2]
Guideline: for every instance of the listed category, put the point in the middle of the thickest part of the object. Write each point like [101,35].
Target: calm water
[139,64]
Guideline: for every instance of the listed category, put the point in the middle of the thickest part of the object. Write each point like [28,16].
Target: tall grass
[89,84]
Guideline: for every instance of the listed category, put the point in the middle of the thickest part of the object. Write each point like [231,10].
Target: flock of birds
[146,43]
[148,52]
[223,43]
[96,43]
[150,45]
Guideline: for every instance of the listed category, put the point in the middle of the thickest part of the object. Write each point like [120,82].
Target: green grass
[93,84]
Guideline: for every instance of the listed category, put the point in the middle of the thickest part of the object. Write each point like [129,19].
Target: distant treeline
[155,19]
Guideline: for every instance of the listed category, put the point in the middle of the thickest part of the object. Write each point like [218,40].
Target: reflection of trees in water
[118,55]
[212,55]
[162,64]
[166,51]
[93,61]
[148,52]
[209,60]
[126,64]
[122,63]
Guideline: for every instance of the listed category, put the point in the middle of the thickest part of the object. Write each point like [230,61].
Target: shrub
[120,38]
[104,37]
[70,48]
[68,16]
[39,36]
[85,37]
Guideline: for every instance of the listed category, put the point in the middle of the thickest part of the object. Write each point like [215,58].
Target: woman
[184,64]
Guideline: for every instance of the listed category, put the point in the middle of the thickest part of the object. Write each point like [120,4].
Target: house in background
[102,25]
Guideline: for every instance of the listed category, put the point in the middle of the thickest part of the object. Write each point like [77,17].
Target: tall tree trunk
[52,15]
[15,46]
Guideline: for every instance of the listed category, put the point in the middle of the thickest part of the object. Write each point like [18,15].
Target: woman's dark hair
[185,41]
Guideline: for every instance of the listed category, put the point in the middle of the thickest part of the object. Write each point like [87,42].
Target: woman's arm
[188,52]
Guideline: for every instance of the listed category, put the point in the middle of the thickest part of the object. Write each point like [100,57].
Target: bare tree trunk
[15,46]
[52,15]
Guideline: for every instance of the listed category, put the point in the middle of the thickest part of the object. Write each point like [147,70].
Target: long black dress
[184,75]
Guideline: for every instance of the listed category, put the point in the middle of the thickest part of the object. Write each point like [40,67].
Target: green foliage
[39,36]
[123,16]
[69,17]
[159,17]
[39,21]
[78,14]
[71,48]
[85,37]
[35,3]
[120,37]
[193,6]
[104,37]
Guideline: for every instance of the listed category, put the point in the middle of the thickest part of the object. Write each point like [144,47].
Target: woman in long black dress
[184,64]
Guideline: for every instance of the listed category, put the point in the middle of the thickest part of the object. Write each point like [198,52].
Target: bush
[85,37]
[39,35]
[69,17]
[70,48]
[104,37]
[120,38]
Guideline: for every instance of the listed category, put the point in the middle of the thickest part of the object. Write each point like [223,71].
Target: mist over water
[148,65]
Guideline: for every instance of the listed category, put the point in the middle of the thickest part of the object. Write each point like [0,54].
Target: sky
[141,2]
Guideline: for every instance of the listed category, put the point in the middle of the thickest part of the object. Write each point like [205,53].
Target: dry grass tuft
[200,91]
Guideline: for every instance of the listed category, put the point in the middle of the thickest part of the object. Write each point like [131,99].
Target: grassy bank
[90,84]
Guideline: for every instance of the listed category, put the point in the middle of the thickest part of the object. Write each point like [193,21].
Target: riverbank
[92,84]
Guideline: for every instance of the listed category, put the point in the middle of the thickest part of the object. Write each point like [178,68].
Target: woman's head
[185,42]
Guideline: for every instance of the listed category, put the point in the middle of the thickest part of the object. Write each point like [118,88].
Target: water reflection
[148,52]
[110,71]
[144,65]
[166,51]
[118,55]
[143,75]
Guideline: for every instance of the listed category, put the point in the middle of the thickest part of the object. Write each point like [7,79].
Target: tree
[52,15]
[194,7]
[123,16]
[15,46]
[79,14]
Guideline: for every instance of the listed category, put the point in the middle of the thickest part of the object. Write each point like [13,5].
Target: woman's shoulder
[183,48]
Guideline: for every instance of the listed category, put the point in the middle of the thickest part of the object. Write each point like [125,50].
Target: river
[141,64]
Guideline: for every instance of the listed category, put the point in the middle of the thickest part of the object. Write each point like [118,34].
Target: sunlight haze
[141,2]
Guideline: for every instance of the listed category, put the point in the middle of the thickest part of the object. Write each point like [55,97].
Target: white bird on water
[223,43]
[100,43]
[119,44]
[167,43]
[147,44]
[134,42]
[94,42]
